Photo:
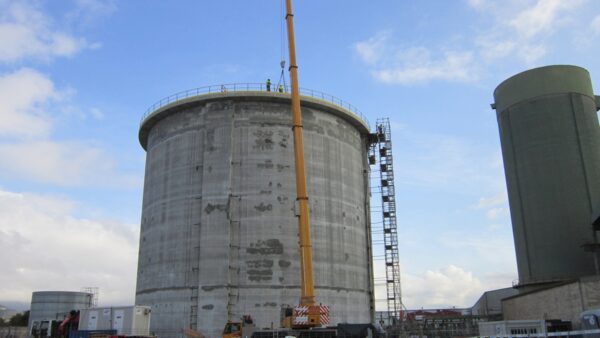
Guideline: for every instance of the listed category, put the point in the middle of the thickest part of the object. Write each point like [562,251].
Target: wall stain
[280,167]
[268,164]
[263,207]
[261,263]
[284,139]
[208,307]
[211,207]
[269,246]
[260,275]
[284,264]
[264,140]
[262,269]
[282,199]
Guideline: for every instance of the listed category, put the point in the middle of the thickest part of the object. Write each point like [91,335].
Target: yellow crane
[308,313]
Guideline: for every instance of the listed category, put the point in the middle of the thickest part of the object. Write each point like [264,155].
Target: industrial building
[550,139]
[219,235]
[489,305]
[551,149]
[565,301]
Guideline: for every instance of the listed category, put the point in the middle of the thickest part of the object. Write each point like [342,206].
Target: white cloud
[494,206]
[372,50]
[595,25]
[486,202]
[446,287]
[416,65]
[88,12]
[26,32]
[524,29]
[477,4]
[45,247]
[513,30]
[23,95]
[97,114]
[542,17]
[71,163]
[28,151]
[495,249]
[494,213]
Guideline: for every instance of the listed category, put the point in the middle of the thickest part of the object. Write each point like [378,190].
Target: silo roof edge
[540,82]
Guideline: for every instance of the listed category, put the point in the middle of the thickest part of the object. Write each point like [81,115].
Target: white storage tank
[49,305]
[127,320]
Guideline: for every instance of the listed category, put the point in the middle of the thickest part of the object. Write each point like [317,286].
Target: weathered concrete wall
[219,232]
[564,302]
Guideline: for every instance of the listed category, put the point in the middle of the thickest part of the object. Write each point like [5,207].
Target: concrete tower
[219,237]
[551,148]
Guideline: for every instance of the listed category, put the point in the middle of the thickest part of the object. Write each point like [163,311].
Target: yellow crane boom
[306,269]
[308,313]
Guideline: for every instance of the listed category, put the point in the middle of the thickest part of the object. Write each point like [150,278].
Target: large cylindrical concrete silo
[219,235]
[551,148]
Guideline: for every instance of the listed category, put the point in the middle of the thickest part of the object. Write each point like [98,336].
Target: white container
[509,328]
[127,320]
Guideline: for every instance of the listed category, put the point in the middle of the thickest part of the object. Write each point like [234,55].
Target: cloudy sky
[76,76]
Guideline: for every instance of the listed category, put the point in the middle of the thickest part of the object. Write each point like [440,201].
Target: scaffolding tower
[380,153]
[94,291]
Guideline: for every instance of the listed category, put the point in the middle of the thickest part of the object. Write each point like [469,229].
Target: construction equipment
[244,328]
[308,313]
[307,320]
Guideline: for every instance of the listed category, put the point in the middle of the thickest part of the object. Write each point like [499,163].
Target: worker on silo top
[268,85]
[281,88]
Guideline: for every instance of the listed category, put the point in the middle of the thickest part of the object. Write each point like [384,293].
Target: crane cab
[242,329]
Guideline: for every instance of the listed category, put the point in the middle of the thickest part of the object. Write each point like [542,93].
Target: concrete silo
[219,237]
[551,148]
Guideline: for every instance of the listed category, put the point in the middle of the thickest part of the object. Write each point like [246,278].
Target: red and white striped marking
[301,314]
[324,310]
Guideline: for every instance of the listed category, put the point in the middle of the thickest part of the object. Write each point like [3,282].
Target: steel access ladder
[380,153]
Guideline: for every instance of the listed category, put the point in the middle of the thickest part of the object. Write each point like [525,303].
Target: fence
[567,334]
[246,87]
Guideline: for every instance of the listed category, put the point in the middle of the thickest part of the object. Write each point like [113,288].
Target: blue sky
[76,76]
